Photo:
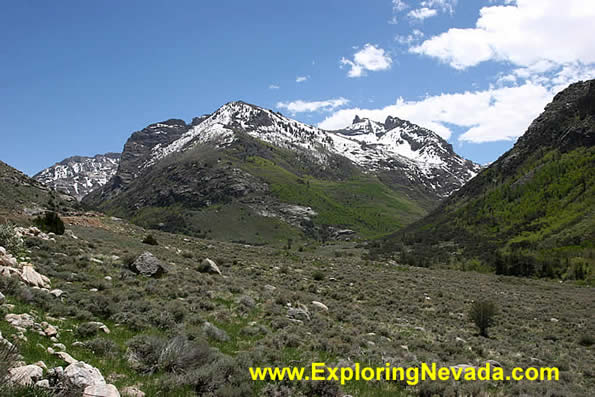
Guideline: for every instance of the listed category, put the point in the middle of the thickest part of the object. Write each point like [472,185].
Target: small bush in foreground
[9,239]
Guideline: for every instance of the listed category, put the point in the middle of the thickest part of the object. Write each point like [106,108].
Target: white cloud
[300,106]
[414,36]
[371,58]
[491,115]
[274,87]
[443,5]
[301,79]
[422,13]
[525,33]
[399,5]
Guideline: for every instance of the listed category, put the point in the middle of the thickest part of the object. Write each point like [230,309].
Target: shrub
[586,340]
[87,330]
[150,240]
[50,222]
[318,275]
[482,313]
[8,356]
[9,238]
[103,347]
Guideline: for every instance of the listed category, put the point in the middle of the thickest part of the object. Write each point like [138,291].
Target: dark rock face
[566,123]
[138,147]
[80,175]
[147,265]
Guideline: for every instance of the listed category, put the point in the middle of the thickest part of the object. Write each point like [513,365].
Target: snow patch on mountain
[393,145]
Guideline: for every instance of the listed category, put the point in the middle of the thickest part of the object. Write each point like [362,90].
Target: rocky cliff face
[79,175]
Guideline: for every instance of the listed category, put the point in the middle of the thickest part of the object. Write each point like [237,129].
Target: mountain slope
[532,212]
[79,175]
[250,174]
[20,194]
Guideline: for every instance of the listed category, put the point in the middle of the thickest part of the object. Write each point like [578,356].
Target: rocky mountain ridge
[79,175]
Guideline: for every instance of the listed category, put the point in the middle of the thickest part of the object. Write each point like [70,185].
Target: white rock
[25,375]
[101,391]
[2,297]
[50,330]
[20,320]
[211,266]
[320,305]
[31,277]
[65,357]
[80,374]
[44,384]
[57,292]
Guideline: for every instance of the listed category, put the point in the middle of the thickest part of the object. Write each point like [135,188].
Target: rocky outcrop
[10,267]
[25,375]
[82,375]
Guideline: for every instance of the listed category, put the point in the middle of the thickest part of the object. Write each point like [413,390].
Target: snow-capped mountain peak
[79,175]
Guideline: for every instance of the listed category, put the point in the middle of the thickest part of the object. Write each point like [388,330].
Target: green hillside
[242,192]
[531,213]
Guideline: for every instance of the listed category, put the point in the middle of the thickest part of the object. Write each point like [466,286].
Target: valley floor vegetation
[194,331]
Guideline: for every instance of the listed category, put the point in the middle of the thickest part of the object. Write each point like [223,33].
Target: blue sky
[77,78]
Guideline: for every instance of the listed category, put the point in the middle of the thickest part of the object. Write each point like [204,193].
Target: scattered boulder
[81,374]
[57,292]
[320,305]
[23,321]
[147,265]
[209,266]
[2,298]
[25,375]
[43,384]
[101,391]
[31,277]
[50,330]
[67,358]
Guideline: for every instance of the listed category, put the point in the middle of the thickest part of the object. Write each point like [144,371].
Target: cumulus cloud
[371,58]
[523,33]
[300,106]
[301,79]
[490,115]
[422,13]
